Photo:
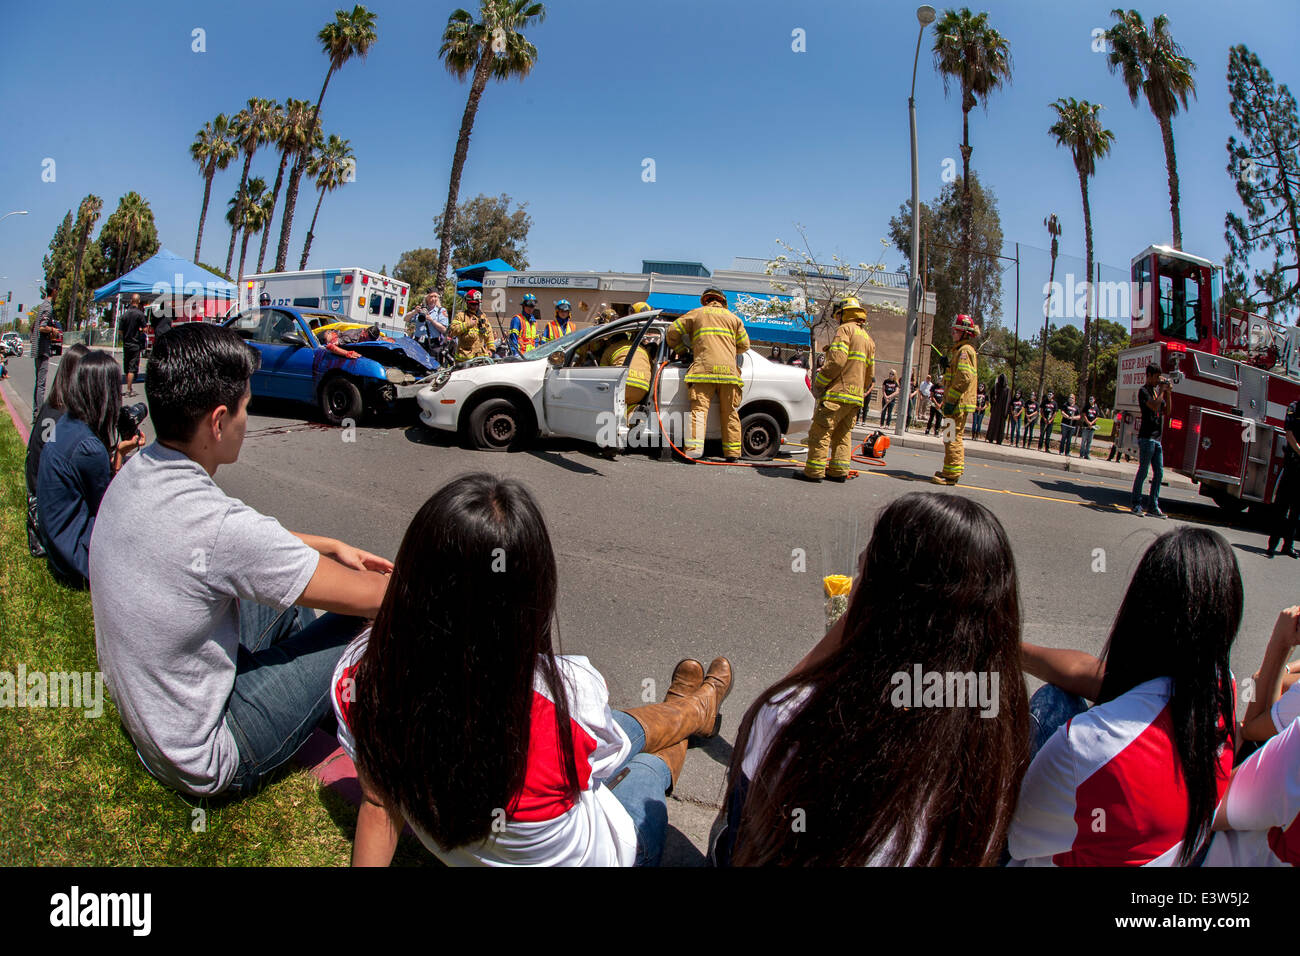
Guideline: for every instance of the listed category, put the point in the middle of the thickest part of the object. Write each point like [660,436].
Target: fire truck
[1233,375]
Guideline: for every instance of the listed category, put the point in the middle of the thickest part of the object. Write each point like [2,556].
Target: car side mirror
[556,359]
[292,338]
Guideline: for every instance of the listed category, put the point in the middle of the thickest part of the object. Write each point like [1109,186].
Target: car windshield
[563,342]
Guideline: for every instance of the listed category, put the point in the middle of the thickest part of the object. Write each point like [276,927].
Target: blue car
[296,366]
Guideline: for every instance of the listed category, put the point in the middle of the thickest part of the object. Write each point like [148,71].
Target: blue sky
[748,137]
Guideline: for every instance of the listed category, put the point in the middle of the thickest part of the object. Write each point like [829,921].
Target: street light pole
[16,212]
[925,16]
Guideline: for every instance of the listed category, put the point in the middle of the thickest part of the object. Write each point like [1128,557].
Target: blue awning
[464,284]
[786,330]
[478,269]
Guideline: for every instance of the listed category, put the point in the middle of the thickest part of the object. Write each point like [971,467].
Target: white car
[496,406]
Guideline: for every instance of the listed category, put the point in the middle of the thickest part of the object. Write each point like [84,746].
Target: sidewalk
[1097,466]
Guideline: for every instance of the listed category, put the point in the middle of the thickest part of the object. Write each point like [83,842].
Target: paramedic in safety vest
[840,385]
[471,331]
[958,398]
[562,324]
[716,337]
[523,328]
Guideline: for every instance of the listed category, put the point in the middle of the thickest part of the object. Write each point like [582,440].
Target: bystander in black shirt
[1292,425]
[1150,427]
[130,325]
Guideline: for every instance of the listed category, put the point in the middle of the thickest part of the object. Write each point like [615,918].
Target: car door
[286,370]
[588,402]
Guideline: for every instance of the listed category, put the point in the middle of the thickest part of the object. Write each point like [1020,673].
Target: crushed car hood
[403,352]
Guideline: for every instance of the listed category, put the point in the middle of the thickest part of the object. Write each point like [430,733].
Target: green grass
[72,791]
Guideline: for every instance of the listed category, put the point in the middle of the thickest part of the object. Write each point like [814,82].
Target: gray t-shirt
[170,557]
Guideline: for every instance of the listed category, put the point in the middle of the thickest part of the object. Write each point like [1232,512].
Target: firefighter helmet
[473,296]
[964,325]
[640,307]
[849,309]
[712,293]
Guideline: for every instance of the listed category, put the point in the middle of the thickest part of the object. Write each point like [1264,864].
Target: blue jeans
[1067,438]
[1029,433]
[642,792]
[282,679]
[976,421]
[1085,442]
[1049,710]
[1150,455]
[1045,438]
[1015,430]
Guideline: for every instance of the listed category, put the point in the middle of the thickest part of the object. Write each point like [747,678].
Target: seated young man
[202,625]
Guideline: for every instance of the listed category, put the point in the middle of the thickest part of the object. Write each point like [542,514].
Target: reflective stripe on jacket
[715,336]
[850,365]
[960,381]
[638,375]
[525,330]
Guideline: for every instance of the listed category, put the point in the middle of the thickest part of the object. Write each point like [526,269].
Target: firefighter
[841,382]
[958,398]
[639,307]
[471,331]
[638,377]
[523,327]
[1287,502]
[716,337]
[562,324]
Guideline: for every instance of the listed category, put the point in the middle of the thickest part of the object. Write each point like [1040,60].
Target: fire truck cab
[1233,376]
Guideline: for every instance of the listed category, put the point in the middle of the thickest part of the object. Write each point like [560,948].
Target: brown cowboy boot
[688,714]
[674,756]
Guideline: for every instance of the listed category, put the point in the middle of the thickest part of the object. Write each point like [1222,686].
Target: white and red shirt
[1106,789]
[543,826]
[1263,806]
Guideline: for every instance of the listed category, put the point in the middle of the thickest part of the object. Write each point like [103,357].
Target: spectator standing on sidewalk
[161,321]
[935,420]
[913,391]
[888,396]
[1286,509]
[1116,435]
[1069,418]
[1047,420]
[129,327]
[1090,415]
[46,325]
[981,407]
[1031,419]
[1017,417]
[1153,400]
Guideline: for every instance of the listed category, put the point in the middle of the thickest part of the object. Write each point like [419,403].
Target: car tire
[760,436]
[340,399]
[496,425]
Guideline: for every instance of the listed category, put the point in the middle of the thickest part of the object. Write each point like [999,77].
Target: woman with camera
[83,450]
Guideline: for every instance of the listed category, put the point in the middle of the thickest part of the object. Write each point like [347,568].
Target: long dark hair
[1178,620]
[877,780]
[444,692]
[93,395]
[67,369]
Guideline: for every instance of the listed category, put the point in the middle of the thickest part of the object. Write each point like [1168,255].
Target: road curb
[1032,459]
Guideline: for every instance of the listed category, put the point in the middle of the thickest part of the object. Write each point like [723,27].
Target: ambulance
[359,294]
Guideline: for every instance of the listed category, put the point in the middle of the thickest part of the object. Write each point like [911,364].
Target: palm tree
[132,212]
[213,149]
[350,35]
[332,167]
[87,215]
[1054,230]
[248,212]
[253,126]
[1152,63]
[969,51]
[493,47]
[1078,127]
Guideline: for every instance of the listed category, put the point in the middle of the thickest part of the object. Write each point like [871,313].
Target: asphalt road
[660,560]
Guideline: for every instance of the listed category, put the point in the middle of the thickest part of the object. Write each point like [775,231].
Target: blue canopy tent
[783,329]
[166,273]
[471,277]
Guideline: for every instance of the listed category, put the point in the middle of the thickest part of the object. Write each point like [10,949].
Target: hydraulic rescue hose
[735,464]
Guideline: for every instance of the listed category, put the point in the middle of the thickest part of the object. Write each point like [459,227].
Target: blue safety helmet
[563,304]
[530,299]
